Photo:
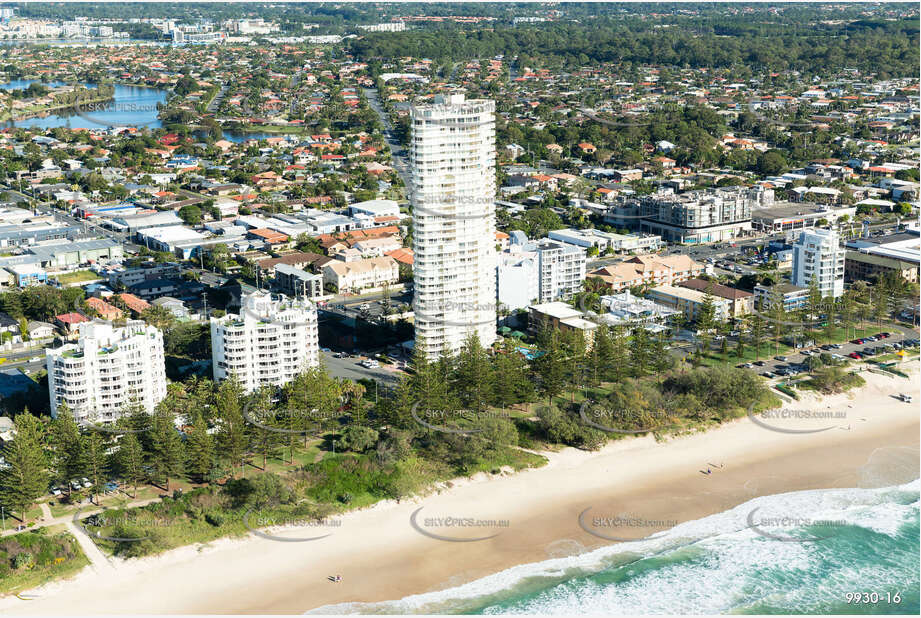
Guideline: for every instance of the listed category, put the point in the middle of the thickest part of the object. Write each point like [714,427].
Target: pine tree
[474,379]
[231,436]
[25,478]
[549,368]
[512,380]
[757,335]
[661,359]
[94,452]
[260,409]
[639,352]
[68,460]
[130,459]
[777,315]
[199,448]
[706,320]
[166,452]
[619,366]
[601,356]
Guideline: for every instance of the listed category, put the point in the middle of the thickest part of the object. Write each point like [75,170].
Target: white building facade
[107,369]
[270,341]
[453,158]
[818,255]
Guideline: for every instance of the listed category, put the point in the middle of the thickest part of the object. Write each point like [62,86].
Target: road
[399,154]
[216,101]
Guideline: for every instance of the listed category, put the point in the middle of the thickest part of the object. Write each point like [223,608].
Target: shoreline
[382,557]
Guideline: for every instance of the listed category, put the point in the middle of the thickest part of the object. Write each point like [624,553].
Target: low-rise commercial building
[560,316]
[688,301]
[741,302]
[792,297]
[603,241]
[860,266]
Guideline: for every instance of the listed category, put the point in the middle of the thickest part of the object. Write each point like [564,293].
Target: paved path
[98,560]
[47,520]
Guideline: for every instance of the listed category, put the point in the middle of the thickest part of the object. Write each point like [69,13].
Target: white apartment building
[562,270]
[453,189]
[518,280]
[539,271]
[270,341]
[817,254]
[106,369]
[692,217]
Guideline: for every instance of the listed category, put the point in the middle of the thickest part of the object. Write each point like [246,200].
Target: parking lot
[349,367]
[794,362]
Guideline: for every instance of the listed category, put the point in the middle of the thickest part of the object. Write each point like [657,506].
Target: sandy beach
[870,439]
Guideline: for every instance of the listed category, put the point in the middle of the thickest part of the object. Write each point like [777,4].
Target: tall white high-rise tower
[453,157]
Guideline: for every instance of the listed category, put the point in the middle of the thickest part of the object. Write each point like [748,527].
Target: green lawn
[80,276]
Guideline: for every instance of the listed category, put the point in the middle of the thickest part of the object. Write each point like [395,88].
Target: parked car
[855,355]
[86,482]
[767,374]
[760,363]
[781,358]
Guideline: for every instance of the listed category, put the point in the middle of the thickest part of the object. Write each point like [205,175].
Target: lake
[132,106]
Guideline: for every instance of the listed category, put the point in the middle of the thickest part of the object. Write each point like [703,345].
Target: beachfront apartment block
[270,341]
[107,369]
[453,190]
[818,256]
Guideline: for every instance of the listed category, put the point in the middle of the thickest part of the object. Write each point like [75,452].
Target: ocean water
[741,561]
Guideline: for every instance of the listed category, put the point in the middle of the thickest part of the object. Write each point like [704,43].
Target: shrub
[22,560]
